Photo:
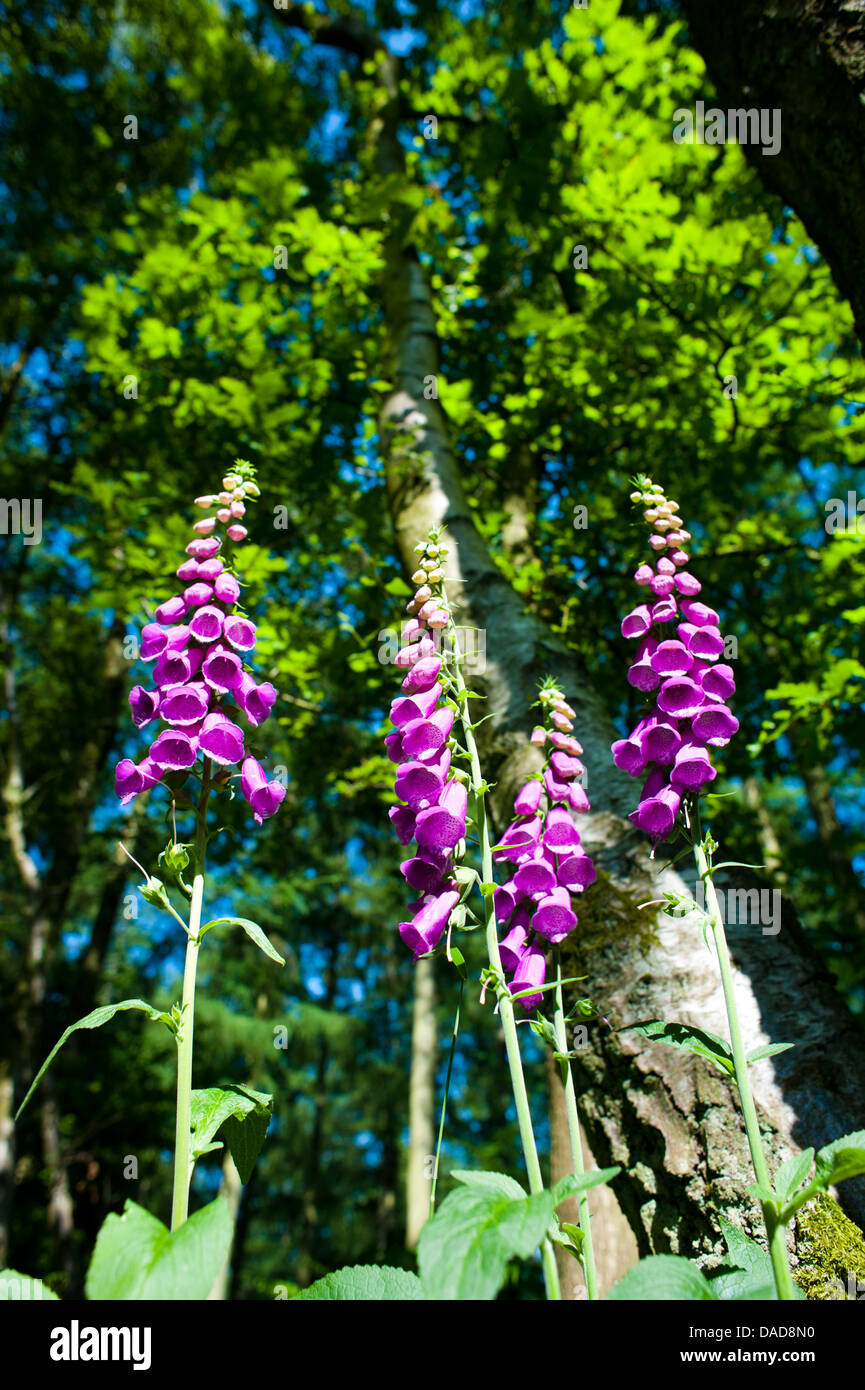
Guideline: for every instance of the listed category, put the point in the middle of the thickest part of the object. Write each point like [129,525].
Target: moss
[607,914]
[831,1249]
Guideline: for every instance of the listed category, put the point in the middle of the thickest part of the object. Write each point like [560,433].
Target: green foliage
[245,1114]
[464,1250]
[137,1258]
[660,1279]
[364,1283]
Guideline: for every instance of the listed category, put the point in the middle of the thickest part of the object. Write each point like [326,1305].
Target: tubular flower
[677,665]
[543,843]
[434,796]
[198,644]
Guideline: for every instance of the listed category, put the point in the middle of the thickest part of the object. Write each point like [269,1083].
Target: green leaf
[23,1288]
[365,1283]
[843,1158]
[464,1250]
[696,1040]
[96,1020]
[793,1173]
[768,1050]
[137,1258]
[245,1114]
[253,931]
[662,1279]
[571,1183]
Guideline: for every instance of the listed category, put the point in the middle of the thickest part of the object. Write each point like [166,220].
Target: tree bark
[421,1102]
[805,58]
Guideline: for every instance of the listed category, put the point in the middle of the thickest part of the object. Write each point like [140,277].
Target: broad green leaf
[571,1184]
[662,1278]
[244,1113]
[500,1184]
[23,1288]
[464,1250]
[137,1257]
[365,1283]
[96,1020]
[679,1035]
[253,931]
[843,1158]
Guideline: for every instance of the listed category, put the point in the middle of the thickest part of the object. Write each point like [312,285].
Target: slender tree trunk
[773,856]
[846,884]
[421,1102]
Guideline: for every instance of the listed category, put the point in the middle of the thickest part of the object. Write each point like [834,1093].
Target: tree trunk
[421,1102]
[805,58]
[846,884]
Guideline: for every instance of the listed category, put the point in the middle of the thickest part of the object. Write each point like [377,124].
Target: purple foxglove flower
[188,571]
[403,822]
[672,658]
[222,670]
[424,875]
[173,668]
[226,588]
[692,768]
[699,614]
[642,674]
[705,642]
[442,826]
[513,947]
[578,799]
[185,704]
[207,624]
[203,549]
[534,878]
[716,724]
[210,570]
[556,790]
[718,682]
[173,751]
[520,837]
[644,574]
[661,740]
[393,744]
[566,767]
[264,797]
[221,740]
[528,800]
[428,926]
[560,833]
[531,970]
[577,871]
[145,706]
[409,707]
[197,594]
[422,675]
[237,533]
[680,697]
[418,785]
[423,738]
[656,814]
[629,755]
[505,900]
[662,585]
[637,622]
[240,632]
[178,637]
[664,611]
[407,656]
[566,743]
[554,916]
[687,584]
[154,640]
[128,781]
[171,611]
[665,565]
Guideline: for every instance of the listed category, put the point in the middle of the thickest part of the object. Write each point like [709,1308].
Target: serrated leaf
[793,1173]
[662,1279]
[245,1114]
[365,1283]
[95,1019]
[23,1288]
[253,931]
[696,1040]
[464,1250]
[843,1158]
[136,1257]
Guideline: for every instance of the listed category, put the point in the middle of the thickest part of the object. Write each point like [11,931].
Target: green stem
[506,1008]
[183,1162]
[588,1251]
[435,1177]
[774,1228]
